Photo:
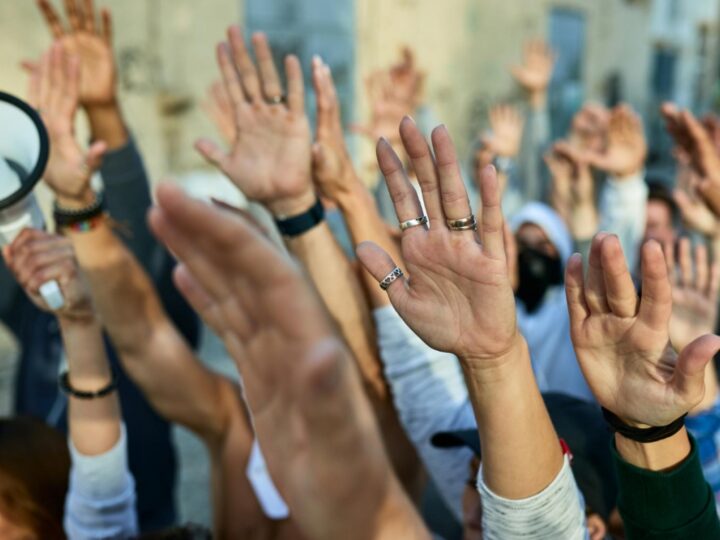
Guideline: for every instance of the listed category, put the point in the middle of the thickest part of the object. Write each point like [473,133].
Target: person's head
[544,244]
[34,470]
[662,214]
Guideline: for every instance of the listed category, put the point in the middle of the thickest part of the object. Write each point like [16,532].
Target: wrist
[661,455]
[107,124]
[78,322]
[76,202]
[292,206]
[347,198]
[538,99]
[497,367]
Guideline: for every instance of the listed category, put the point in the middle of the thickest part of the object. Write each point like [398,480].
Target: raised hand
[270,158]
[582,214]
[694,140]
[626,148]
[622,341]
[589,128]
[458,297]
[36,257]
[309,412]
[54,91]
[394,93]
[332,166]
[535,71]
[90,40]
[695,213]
[694,294]
[506,124]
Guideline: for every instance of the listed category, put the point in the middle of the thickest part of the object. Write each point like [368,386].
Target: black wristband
[297,225]
[64,217]
[643,435]
[80,394]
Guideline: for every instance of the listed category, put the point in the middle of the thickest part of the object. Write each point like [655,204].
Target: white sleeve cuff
[558,511]
[103,476]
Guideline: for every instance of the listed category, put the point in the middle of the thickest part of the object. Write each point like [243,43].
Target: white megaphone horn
[24,151]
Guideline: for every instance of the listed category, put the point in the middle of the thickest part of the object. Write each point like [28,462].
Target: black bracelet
[300,224]
[643,435]
[81,394]
[65,217]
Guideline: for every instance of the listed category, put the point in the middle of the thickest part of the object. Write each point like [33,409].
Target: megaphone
[24,151]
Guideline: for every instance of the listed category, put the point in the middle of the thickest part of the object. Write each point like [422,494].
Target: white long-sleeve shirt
[556,512]
[623,210]
[431,396]
[101,497]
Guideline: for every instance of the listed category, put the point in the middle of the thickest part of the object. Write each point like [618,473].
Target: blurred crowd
[513,344]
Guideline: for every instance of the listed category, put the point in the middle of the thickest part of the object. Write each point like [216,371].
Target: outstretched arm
[459,299]
[311,417]
[270,161]
[623,347]
[101,487]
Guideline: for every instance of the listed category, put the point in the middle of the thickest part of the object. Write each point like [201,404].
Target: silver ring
[276,100]
[392,276]
[463,224]
[410,223]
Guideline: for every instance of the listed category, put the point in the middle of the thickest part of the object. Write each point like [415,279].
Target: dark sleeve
[9,291]
[127,198]
[674,505]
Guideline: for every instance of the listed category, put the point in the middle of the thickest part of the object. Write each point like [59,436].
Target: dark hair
[34,469]
[658,191]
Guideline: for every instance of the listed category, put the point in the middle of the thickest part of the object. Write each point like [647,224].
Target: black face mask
[536,273]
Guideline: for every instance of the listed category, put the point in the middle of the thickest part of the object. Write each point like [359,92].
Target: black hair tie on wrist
[81,394]
[643,435]
[300,224]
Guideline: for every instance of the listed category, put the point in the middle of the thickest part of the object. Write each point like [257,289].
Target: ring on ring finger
[463,224]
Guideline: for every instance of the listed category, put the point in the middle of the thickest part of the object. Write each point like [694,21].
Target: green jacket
[675,505]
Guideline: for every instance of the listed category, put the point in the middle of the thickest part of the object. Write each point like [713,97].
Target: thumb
[95,155]
[690,369]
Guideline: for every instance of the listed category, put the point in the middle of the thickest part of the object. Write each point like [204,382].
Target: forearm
[107,124]
[152,352]
[337,283]
[94,423]
[520,449]
[128,199]
[365,223]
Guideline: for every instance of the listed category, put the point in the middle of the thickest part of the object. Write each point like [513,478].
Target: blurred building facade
[641,51]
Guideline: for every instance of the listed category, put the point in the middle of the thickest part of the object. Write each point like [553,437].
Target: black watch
[300,224]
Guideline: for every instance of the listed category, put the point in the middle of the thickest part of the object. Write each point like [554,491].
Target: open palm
[309,412]
[622,342]
[458,297]
[89,38]
[270,158]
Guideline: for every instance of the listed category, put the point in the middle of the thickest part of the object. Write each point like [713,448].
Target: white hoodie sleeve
[623,209]
[430,396]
